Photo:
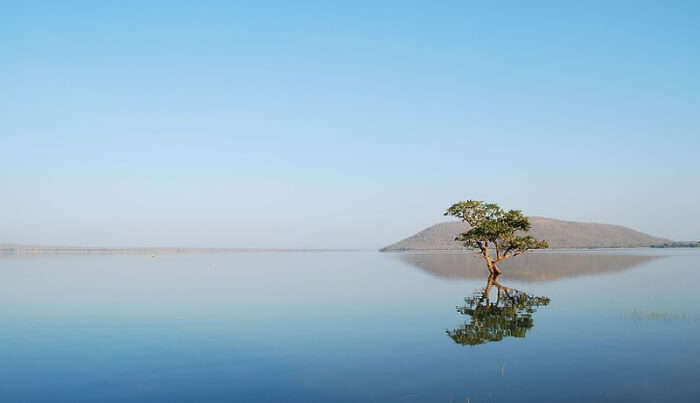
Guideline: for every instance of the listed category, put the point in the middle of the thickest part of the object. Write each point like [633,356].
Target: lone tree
[492,227]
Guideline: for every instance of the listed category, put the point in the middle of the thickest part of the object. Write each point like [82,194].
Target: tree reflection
[510,315]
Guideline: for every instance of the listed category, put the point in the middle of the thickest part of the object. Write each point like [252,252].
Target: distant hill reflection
[509,314]
[534,267]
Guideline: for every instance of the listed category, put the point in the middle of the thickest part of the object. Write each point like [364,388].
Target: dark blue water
[618,326]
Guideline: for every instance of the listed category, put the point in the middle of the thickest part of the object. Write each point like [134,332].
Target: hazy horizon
[324,126]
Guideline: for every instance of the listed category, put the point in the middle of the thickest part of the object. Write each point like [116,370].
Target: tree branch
[504,257]
[510,248]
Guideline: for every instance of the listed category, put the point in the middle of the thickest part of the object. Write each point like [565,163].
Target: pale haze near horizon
[325,126]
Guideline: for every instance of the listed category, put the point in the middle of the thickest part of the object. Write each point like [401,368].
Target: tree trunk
[490,263]
[493,267]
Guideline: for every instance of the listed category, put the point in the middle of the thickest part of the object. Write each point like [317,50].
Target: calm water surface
[363,326]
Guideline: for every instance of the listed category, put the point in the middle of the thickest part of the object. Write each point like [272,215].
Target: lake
[579,326]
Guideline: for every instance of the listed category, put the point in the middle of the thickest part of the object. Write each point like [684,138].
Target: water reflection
[509,315]
[535,267]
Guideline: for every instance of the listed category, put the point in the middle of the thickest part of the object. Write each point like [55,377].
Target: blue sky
[321,124]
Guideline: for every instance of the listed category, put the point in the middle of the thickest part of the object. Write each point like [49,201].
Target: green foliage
[491,226]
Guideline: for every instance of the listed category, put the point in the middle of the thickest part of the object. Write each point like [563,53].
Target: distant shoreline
[689,244]
[22,250]
[548,250]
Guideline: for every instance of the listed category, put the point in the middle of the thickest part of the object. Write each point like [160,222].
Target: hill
[560,235]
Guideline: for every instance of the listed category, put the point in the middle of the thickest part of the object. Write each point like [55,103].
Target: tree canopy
[493,227]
